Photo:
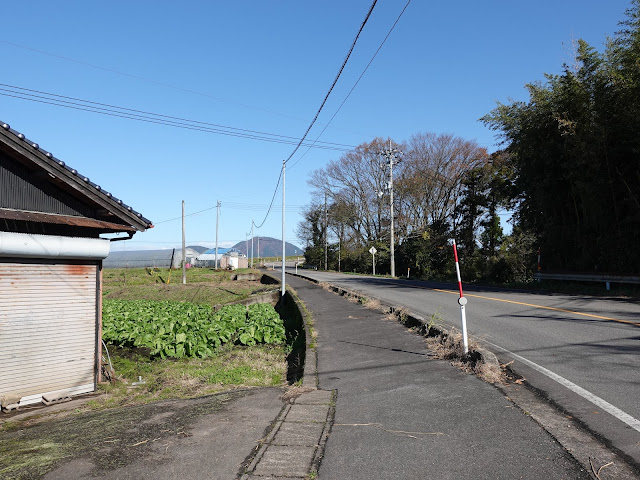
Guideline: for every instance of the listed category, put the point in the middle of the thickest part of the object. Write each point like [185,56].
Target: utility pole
[252,243]
[326,228]
[392,156]
[184,251]
[339,250]
[284,163]
[217,218]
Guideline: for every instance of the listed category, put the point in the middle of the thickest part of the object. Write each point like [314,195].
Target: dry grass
[447,347]
[490,373]
[203,285]
[450,346]
[237,367]
[374,304]
[294,392]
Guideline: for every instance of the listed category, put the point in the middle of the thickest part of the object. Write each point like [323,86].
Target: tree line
[568,171]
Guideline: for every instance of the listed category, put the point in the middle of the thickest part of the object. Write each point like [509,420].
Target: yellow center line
[542,306]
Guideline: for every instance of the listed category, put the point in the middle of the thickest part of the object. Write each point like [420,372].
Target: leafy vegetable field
[180,329]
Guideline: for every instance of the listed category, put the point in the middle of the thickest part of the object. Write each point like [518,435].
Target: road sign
[373,252]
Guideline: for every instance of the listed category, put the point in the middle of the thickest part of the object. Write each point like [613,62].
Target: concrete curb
[413,320]
[310,372]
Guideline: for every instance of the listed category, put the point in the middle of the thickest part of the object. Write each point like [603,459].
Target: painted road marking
[542,306]
[603,404]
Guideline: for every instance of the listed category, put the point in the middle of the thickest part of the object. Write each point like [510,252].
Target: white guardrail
[606,279]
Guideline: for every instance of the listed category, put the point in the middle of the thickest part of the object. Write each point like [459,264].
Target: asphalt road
[583,352]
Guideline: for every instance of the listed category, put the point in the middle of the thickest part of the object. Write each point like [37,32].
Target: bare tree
[353,183]
[431,181]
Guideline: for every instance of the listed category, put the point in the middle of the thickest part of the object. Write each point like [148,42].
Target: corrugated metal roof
[120,208]
[213,251]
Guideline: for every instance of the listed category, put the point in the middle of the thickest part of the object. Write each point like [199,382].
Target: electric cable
[355,84]
[335,81]
[275,191]
[150,117]
[143,79]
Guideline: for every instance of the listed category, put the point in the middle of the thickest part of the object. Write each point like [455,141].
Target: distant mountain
[269,247]
[198,248]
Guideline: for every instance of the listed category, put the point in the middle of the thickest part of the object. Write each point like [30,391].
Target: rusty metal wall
[20,189]
[48,317]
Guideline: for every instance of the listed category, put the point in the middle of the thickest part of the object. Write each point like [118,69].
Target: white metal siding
[47,329]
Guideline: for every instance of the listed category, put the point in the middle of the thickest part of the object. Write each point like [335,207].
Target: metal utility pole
[252,243]
[326,228]
[217,221]
[392,156]
[184,251]
[284,162]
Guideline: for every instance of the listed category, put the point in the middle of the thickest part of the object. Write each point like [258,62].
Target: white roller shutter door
[48,325]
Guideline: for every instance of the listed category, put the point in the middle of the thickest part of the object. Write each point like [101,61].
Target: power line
[150,117]
[275,190]
[355,84]
[156,82]
[189,215]
[335,81]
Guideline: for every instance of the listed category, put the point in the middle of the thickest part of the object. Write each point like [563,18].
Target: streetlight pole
[184,251]
[217,217]
[284,163]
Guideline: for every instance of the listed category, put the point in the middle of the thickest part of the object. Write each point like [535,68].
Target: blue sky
[266,66]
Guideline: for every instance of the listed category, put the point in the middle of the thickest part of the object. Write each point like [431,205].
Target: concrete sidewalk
[402,414]
[250,434]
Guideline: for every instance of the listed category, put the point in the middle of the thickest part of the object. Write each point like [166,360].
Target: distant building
[51,252]
[233,260]
[150,258]
[208,258]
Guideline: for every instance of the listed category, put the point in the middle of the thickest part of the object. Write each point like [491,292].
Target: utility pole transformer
[392,156]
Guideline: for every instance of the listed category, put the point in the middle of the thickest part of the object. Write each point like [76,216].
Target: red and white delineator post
[462,301]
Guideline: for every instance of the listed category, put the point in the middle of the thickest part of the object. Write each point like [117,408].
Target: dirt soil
[109,440]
